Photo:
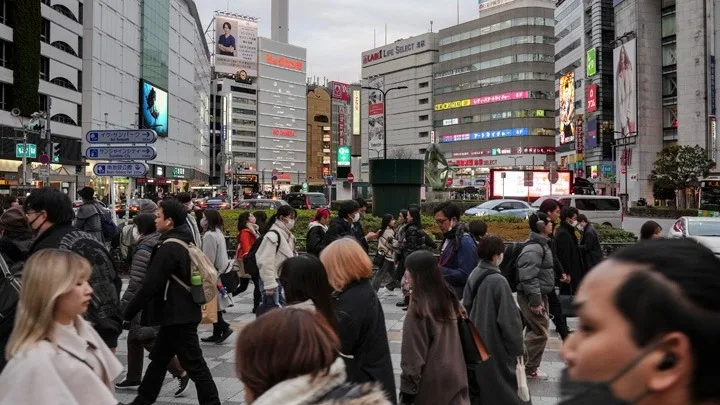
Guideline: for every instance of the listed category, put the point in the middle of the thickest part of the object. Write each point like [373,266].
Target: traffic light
[56,150]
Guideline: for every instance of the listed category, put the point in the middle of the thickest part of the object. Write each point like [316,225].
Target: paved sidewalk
[220,358]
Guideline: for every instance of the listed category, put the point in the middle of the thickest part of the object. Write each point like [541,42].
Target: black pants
[257,295]
[220,326]
[557,315]
[400,269]
[180,340]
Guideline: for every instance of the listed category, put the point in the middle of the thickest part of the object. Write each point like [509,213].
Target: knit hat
[147,207]
[87,193]
[14,220]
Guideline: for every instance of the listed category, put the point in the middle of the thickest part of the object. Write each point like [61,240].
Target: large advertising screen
[567,108]
[625,89]
[514,184]
[236,46]
[376,123]
[153,108]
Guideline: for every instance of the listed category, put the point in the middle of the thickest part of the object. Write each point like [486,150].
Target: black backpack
[509,268]
[250,261]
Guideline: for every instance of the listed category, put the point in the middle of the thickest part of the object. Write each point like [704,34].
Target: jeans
[181,341]
[278,297]
[136,348]
[536,332]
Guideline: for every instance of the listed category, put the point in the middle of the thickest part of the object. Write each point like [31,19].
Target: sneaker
[210,339]
[183,383]
[537,375]
[392,285]
[224,336]
[127,385]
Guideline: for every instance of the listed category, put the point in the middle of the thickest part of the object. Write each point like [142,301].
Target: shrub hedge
[662,212]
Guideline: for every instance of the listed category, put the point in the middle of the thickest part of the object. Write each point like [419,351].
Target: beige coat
[46,374]
[269,256]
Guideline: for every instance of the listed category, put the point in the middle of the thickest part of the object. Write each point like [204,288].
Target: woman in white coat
[55,356]
[277,245]
[215,247]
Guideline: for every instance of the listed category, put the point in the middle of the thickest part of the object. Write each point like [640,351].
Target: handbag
[475,354]
[379,259]
[523,391]
[566,303]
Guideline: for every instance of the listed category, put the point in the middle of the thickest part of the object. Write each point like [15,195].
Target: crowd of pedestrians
[60,335]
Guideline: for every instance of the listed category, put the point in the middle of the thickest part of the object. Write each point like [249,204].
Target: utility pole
[48,136]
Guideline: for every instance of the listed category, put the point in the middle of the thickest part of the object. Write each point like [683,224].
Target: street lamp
[515,158]
[384,93]
[625,136]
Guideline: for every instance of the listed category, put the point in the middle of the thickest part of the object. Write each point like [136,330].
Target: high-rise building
[658,100]
[405,63]
[60,92]
[319,134]
[494,95]
[146,64]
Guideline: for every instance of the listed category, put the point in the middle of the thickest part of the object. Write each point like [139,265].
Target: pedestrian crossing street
[220,358]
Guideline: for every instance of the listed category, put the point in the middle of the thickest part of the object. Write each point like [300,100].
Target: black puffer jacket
[138,268]
[338,229]
[161,299]
[314,238]
[104,312]
[14,253]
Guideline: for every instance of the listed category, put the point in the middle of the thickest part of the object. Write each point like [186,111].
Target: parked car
[507,207]
[306,201]
[705,230]
[601,209]
[260,204]
[217,203]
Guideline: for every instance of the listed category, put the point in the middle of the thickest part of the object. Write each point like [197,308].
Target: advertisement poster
[592,134]
[376,123]
[340,91]
[591,98]
[356,112]
[514,184]
[236,46]
[153,108]
[567,108]
[342,127]
[591,62]
[625,89]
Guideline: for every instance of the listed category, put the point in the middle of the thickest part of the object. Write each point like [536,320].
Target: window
[43,102]
[670,116]
[45,31]
[6,53]
[64,11]
[243,111]
[424,85]
[490,81]
[670,85]
[44,68]
[424,134]
[63,119]
[242,90]
[79,80]
[4,12]
[321,118]
[669,54]
[63,82]
[80,13]
[597,204]
[244,144]
[422,151]
[244,154]
[63,46]
[424,101]
[238,132]
[503,25]
[669,26]
[424,117]
[523,39]
[5,91]
[239,121]
[46,2]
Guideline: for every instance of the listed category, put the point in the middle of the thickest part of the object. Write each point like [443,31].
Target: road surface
[633,224]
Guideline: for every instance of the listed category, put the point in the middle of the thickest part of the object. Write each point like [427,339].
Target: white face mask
[356,217]
[290,223]
[573,223]
[203,223]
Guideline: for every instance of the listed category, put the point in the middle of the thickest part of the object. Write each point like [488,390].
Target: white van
[599,209]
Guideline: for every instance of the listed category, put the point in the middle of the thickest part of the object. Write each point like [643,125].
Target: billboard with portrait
[153,108]
[236,46]
[567,108]
[376,122]
[625,71]
[513,185]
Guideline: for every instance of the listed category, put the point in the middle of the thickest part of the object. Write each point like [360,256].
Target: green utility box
[396,184]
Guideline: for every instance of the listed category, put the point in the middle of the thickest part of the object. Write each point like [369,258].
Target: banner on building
[356,112]
[591,62]
[567,108]
[592,134]
[625,70]
[236,46]
[376,122]
[343,139]
[580,138]
[340,91]
[591,98]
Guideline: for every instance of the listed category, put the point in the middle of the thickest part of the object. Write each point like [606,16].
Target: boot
[404,303]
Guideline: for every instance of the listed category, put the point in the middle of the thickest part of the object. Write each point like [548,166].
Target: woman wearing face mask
[56,357]
[385,248]
[492,308]
[649,329]
[277,245]
[316,231]
[215,248]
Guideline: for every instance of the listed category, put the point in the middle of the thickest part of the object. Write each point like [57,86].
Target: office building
[407,62]
[319,134]
[147,65]
[60,95]
[494,95]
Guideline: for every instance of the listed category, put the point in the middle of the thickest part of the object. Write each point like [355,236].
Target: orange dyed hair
[345,262]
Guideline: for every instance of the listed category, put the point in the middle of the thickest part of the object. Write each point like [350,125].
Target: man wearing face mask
[458,255]
[357,227]
[590,248]
[342,225]
[568,250]
[50,215]
[186,200]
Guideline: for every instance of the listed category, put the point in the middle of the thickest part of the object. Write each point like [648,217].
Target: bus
[710,196]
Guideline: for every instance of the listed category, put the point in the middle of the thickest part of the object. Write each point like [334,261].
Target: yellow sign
[452,104]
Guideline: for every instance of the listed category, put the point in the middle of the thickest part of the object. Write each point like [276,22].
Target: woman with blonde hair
[55,356]
[360,316]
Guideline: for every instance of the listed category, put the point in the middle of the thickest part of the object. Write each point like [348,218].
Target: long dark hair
[415,214]
[403,214]
[260,218]
[283,211]
[431,294]
[214,220]
[304,278]
[386,219]
[243,220]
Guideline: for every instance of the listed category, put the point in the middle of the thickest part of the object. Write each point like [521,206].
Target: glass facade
[155,41]
[524,39]
[515,22]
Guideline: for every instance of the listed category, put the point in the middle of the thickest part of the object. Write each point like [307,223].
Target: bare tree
[400,153]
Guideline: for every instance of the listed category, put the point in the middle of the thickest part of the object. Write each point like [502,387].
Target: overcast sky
[335,35]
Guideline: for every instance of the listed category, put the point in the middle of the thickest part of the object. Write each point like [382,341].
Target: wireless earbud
[668,362]
[540,226]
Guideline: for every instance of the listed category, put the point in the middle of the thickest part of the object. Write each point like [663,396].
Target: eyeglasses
[441,221]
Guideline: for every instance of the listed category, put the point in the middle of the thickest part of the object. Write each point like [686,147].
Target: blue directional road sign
[136,169]
[121,136]
[121,153]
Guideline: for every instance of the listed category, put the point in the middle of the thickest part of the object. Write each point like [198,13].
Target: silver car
[507,207]
[705,230]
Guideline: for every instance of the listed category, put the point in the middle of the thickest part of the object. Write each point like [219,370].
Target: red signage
[376,109]
[536,150]
[579,137]
[341,127]
[592,98]
[472,162]
[350,178]
[283,62]
[283,132]
[340,91]
[372,57]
